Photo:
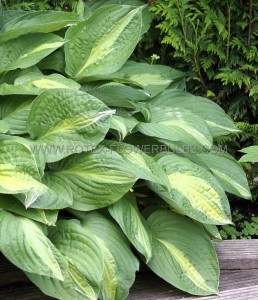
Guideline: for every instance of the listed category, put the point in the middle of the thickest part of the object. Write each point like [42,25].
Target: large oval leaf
[54,61]
[228,172]
[43,82]
[176,124]
[74,285]
[102,44]
[11,204]
[41,21]
[141,165]
[51,199]
[8,15]
[14,112]
[28,50]
[11,76]
[146,14]
[18,170]
[183,254]
[193,191]
[134,226]
[64,122]
[118,90]
[35,83]
[122,126]
[97,179]
[83,277]
[217,120]
[19,235]
[119,259]
[152,78]
[82,250]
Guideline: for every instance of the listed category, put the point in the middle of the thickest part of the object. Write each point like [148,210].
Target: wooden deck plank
[22,291]
[150,287]
[238,254]
[239,278]
[234,286]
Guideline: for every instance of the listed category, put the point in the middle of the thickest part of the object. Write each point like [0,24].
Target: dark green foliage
[244,229]
[216,43]
[67,5]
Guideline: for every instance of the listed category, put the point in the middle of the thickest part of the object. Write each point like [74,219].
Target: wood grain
[238,254]
[150,287]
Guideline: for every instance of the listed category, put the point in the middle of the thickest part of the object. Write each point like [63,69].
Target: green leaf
[228,172]
[102,44]
[55,288]
[36,83]
[57,196]
[18,170]
[95,4]
[215,117]
[146,15]
[152,78]
[141,165]
[28,50]
[97,179]
[213,232]
[14,113]
[251,154]
[8,15]
[118,100]
[123,125]
[82,250]
[83,255]
[183,254]
[193,191]
[177,124]
[10,76]
[11,204]
[111,100]
[41,21]
[42,82]
[38,158]
[76,123]
[74,285]
[26,237]
[4,127]
[115,89]
[55,61]
[10,89]
[134,226]
[109,280]
[120,260]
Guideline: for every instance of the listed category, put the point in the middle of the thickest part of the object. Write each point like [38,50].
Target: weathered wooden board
[239,278]
[238,254]
[234,285]
[22,291]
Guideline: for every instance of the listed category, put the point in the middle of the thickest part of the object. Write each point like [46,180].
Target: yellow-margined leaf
[65,121]
[36,252]
[102,44]
[97,178]
[183,254]
[134,226]
[193,191]
[28,50]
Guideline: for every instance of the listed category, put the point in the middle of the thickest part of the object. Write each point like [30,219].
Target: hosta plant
[105,162]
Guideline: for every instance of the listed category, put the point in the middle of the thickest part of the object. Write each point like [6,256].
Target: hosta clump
[100,155]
